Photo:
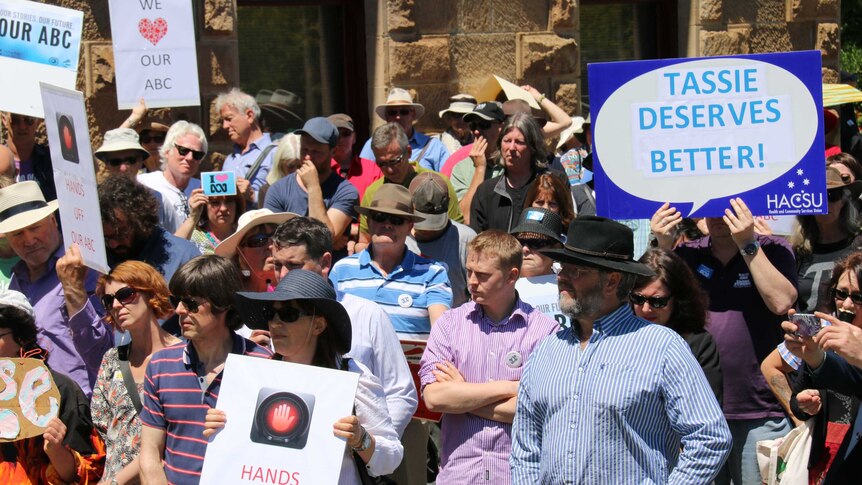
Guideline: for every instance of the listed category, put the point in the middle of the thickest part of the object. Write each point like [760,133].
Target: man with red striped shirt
[182,381]
[473,362]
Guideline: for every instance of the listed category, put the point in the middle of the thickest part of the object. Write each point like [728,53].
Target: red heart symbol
[154,30]
[222,177]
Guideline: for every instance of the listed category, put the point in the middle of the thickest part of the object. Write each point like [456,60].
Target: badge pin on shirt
[514,359]
[405,300]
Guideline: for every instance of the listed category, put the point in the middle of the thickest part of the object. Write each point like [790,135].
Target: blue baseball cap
[321,129]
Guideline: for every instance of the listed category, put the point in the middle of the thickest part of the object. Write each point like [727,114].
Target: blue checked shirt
[618,411]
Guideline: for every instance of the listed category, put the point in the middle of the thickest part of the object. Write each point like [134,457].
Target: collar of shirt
[419,139]
[23,273]
[190,354]
[520,313]
[610,323]
[264,140]
[406,263]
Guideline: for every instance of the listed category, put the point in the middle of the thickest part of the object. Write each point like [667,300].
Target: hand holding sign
[72,272]
[349,428]
[740,221]
[219,183]
[663,223]
[214,422]
[197,204]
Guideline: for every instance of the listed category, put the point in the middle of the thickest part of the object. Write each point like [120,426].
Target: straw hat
[248,221]
[399,97]
[22,205]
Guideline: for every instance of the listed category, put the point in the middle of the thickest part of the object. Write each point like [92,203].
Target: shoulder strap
[424,149]
[263,154]
[128,379]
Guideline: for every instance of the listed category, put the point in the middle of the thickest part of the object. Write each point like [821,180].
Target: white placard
[542,293]
[154,53]
[38,43]
[279,423]
[74,173]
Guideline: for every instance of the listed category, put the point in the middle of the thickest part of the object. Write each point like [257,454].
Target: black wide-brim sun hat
[299,285]
[599,243]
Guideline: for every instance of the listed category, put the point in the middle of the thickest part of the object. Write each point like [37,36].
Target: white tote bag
[785,460]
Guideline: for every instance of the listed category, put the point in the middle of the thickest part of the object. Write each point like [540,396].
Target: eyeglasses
[257,241]
[381,218]
[656,302]
[480,125]
[835,195]
[125,296]
[116,162]
[153,138]
[571,273]
[191,305]
[27,120]
[287,314]
[535,244]
[383,164]
[842,295]
[183,151]
[391,113]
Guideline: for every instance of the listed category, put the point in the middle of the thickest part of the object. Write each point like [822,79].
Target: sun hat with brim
[399,97]
[121,139]
[248,221]
[16,299]
[537,220]
[460,104]
[299,285]
[23,205]
[577,126]
[391,199]
[599,243]
[834,182]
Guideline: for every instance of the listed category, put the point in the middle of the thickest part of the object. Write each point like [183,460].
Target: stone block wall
[443,47]
[723,27]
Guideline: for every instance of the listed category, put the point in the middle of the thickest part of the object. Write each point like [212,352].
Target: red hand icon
[283,418]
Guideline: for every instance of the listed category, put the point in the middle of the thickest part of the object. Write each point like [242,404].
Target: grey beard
[587,305]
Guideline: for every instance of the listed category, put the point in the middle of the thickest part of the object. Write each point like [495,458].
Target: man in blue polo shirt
[182,382]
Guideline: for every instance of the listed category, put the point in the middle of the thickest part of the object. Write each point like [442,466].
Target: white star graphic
[799,172]
[806,181]
[790,185]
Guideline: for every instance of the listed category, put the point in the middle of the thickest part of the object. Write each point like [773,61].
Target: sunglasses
[842,295]
[152,138]
[183,151]
[381,218]
[27,120]
[191,305]
[116,162]
[656,302]
[257,241]
[287,314]
[536,244]
[383,164]
[395,112]
[480,125]
[125,296]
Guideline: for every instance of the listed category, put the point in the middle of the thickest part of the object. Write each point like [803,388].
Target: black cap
[488,111]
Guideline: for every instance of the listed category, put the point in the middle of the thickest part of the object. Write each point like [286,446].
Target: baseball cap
[321,129]
[341,120]
[489,111]
[430,195]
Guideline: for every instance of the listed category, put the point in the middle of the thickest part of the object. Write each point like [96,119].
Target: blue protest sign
[696,132]
[218,183]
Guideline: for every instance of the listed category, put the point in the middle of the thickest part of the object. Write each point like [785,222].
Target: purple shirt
[75,344]
[744,329]
[476,449]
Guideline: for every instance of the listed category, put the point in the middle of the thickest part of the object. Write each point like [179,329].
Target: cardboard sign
[492,87]
[154,53]
[74,173]
[218,183]
[28,399]
[38,43]
[279,423]
[542,293]
[413,350]
[697,132]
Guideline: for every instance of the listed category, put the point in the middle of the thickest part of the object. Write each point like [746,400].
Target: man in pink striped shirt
[473,362]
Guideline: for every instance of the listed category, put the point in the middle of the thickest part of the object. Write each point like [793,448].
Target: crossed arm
[493,400]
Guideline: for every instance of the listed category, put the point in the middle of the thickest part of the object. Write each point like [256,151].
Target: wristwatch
[750,249]
[366,441]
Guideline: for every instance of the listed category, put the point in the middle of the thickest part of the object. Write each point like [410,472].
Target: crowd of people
[560,347]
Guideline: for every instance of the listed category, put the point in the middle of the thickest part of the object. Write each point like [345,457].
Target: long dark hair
[689,300]
[851,262]
[325,353]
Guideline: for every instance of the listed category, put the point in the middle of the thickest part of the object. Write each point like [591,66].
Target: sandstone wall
[443,47]
[721,27]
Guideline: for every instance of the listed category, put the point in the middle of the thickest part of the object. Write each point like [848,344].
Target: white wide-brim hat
[121,139]
[21,205]
[399,97]
[248,221]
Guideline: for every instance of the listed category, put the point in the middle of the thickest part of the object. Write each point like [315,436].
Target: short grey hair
[384,135]
[178,129]
[239,100]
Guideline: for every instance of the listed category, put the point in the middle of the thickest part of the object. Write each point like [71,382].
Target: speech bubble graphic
[706,129]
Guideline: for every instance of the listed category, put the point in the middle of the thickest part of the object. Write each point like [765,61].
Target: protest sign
[413,349]
[74,173]
[696,132]
[28,399]
[218,183]
[541,292]
[154,53]
[279,423]
[492,87]
[38,43]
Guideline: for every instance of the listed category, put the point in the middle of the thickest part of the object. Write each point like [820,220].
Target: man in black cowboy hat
[613,399]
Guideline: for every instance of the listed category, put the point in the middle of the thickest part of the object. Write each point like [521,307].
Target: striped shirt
[617,411]
[404,294]
[176,400]
[475,449]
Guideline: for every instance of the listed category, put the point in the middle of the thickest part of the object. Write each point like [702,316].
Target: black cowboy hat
[599,243]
